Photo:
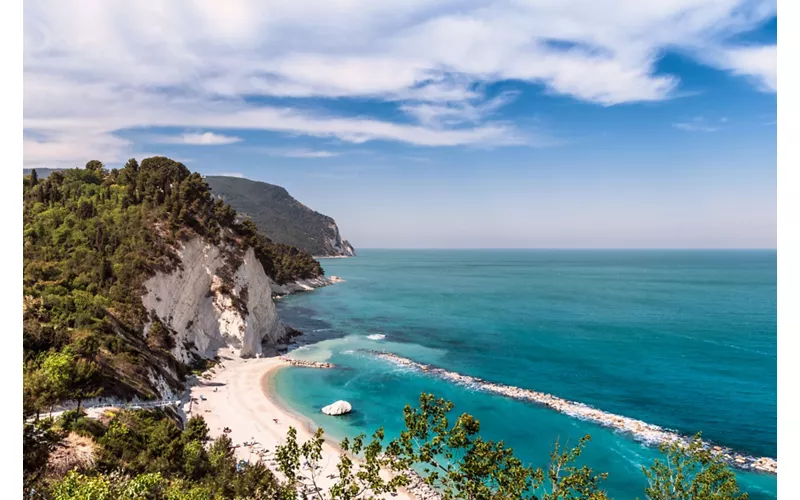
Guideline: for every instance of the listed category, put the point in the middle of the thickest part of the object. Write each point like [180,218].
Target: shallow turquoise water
[682,339]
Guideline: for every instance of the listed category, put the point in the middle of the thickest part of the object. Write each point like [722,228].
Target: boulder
[337,408]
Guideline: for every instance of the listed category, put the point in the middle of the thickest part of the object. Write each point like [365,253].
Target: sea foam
[642,431]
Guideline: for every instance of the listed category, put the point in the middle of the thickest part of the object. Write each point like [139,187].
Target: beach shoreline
[239,394]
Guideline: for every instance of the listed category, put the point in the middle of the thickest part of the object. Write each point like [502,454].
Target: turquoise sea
[682,339]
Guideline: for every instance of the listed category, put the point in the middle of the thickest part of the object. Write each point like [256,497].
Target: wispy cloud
[759,63]
[94,69]
[698,124]
[299,153]
[447,114]
[197,139]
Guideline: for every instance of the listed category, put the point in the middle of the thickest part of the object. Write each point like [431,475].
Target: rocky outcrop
[219,297]
[334,245]
[304,285]
[337,408]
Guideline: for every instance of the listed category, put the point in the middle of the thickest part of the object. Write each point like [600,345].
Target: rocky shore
[306,364]
[419,488]
[648,433]
[305,285]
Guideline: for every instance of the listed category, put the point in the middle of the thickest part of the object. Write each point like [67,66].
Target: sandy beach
[236,395]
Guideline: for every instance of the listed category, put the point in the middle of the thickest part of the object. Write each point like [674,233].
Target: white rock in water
[337,408]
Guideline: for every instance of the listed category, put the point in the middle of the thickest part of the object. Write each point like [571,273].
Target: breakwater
[306,364]
[642,431]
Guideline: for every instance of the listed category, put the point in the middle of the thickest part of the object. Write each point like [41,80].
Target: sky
[435,123]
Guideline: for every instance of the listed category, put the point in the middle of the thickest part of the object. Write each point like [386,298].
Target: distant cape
[277,214]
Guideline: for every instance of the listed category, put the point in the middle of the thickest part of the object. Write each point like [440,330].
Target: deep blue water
[682,339]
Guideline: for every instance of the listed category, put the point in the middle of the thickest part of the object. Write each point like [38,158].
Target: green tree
[566,481]
[461,464]
[454,459]
[94,166]
[34,178]
[68,376]
[76,486]
[691,471]
[361,481]
[37,392]
[195,430]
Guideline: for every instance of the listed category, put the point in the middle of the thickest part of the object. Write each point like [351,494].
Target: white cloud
[697,124]
[197,139]
[759,63]
[94,68]
[458,112]
[299,153]
[694,127]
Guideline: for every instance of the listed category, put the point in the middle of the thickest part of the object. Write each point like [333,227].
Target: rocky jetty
[337,408]
[307,364]
[642,431]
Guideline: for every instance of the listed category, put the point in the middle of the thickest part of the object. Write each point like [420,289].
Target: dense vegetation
[145,454]
[91,239]
[277,213]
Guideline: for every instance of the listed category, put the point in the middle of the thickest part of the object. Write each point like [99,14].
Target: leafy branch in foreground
[356,479]
[691,471]
[145,454]
[461,464]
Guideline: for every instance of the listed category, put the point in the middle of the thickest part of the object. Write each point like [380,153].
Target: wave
[642,431]
[376,336]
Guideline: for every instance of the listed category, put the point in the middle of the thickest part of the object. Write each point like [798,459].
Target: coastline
[239,394]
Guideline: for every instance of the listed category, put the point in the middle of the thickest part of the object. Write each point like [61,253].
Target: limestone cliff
[207,305]
[335,246]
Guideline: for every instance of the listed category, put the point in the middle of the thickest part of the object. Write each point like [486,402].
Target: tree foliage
[691,471]
[147,453]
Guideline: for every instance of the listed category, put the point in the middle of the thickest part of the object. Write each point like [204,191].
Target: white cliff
[206,313]
[304,285]
[335,245]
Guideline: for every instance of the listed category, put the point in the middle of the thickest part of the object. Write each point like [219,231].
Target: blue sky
[434,124]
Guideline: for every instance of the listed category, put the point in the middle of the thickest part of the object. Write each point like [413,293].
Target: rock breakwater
[307,364]
[642,431]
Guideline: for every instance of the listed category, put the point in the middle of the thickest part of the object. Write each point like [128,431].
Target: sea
[683,339]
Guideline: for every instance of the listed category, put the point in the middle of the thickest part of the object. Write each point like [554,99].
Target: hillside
[277,213]
[105,255]
[43,173]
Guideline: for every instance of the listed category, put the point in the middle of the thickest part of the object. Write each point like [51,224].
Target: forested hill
[92,237]
[278,214]
[41,172]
